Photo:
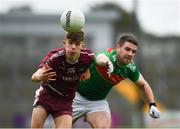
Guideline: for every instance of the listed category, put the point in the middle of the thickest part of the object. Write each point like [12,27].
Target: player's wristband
[152,104]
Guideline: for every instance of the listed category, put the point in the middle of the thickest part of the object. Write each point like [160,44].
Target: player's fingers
[45,75]
[81,78]
[52,73]
[48,79]
[48,70]
[45,67]
[52,76]
[52,79]
[84,78]
[49,73]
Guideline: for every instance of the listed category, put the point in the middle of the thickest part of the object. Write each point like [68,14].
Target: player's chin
[72,54]
[126,61]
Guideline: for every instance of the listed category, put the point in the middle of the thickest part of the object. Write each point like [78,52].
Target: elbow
[142,86]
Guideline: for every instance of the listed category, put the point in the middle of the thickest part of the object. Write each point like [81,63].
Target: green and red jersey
[100,83]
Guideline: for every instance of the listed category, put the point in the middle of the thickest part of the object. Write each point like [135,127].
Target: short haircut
[128,38]
[76,37]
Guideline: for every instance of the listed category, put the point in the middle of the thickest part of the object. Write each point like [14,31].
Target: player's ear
[83,45]
[118,45]
[64,41]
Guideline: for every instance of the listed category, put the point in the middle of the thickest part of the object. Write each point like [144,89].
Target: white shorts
[83,106]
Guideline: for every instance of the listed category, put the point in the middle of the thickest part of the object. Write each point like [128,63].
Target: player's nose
[130,53]
[73,45]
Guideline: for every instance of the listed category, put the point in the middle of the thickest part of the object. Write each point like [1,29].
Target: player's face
[73,50]
[125,52]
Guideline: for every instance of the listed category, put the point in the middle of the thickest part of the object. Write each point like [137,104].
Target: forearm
[148,93]
[153,110]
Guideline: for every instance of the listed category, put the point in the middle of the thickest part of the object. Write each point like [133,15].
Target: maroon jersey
[68,74]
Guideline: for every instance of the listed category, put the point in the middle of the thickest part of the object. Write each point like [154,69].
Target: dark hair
[128,38]
[75,36]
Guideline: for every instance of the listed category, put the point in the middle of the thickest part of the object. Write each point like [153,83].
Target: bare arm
[153,110]
[44,74]
[142,83]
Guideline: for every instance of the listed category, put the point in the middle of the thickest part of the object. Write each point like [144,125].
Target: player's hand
[154,111]
[85,76]
[48,74]
[44,74]
[110,68]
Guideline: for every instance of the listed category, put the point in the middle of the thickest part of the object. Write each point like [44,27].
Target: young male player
[59,73]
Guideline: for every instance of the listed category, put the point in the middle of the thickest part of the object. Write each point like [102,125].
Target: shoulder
[132,67]
[133,71]
[57,52]
[87,55]
[106,52]
[87,52]
[109,50]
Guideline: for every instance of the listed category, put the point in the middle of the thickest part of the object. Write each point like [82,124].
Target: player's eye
[70,42]
[134,51]
[127,49]
[78,44]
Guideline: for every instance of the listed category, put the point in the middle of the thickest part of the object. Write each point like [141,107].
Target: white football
[72,20]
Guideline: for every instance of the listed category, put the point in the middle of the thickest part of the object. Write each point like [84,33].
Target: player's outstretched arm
[44,74]
[153,110]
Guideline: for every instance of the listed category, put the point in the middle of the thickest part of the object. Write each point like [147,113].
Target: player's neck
[72,60]
[120,64]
